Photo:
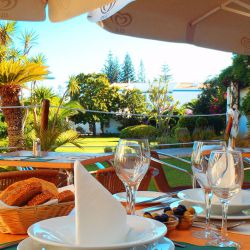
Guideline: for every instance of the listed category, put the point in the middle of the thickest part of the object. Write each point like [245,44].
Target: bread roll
[40,198]
[46,185]
[20,193]
[66,196]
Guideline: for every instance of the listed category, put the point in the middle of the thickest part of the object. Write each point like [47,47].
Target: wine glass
[199,159]
[131,162]
[225,175]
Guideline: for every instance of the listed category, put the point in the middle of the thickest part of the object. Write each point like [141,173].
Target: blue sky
[79,46]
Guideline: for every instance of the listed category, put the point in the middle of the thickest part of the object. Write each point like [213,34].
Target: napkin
[195,247]
[100,218]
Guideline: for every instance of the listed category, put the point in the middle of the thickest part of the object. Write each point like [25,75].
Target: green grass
[91,145]
[97,145]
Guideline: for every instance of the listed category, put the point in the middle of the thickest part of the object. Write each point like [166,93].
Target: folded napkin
[100,218]
[195,247]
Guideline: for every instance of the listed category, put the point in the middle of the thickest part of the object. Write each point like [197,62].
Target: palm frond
[19,73]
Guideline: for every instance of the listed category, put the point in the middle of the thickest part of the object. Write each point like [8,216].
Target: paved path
[176,151]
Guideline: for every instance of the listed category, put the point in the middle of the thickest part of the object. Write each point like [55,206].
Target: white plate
[200,212]
[60,232]
[195,197]
[142,196]
[28,244]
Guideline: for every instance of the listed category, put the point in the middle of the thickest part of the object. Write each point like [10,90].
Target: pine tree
[128,72]
[111,68]
[165,76]
[141,73]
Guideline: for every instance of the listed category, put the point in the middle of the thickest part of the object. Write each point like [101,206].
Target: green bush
[182,135]
[246,104]
[201,122]
[218,123]
[139,131]
[187,122]
[203,134]
[108,150]
[3,129]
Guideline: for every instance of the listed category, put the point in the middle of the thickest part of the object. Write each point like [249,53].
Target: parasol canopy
[35,10]
[217,24]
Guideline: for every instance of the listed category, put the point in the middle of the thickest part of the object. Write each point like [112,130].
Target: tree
[128,72]
[16,69]
[161,105]
[95,94]
[132,102]
[141,73]
[111,68]
[165,73]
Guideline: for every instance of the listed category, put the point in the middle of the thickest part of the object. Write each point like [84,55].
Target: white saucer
[142,196]
[29,244]
[200,212]
[60,232]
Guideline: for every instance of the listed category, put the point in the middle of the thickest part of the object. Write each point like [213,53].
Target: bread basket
[18,220]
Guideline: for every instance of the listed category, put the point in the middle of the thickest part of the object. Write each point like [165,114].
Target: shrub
[80,130]
[182,135]
[218,123]
[187,122]
[246,104]
[108,150]
[201,122]
[165,139]
[139,131]
[203,134]
[3,129]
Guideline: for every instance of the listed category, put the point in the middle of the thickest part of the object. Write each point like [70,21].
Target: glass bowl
[172,223]
[186,221]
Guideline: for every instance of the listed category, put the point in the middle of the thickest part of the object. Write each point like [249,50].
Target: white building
[183,92]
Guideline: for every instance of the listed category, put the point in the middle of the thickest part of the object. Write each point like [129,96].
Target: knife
[154,199]
[160,206]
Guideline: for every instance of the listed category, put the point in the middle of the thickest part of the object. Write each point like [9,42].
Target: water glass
[199,159]
[225,175]
[131,162]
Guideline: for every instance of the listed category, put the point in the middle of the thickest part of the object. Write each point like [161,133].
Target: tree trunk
[13,116]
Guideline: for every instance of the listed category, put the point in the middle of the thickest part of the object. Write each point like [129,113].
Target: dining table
[52,160]
[184,237]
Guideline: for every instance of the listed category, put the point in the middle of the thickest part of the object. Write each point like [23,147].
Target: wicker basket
[18,220]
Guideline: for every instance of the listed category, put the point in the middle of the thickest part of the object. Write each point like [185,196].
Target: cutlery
[10,244]
[179,245]
[154,199]
[160,206]
[230,225]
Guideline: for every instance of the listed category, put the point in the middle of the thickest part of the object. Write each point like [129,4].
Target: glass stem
[131,192]
[193,182]
[224,219]
[208,202]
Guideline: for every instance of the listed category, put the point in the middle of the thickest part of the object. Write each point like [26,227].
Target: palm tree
[13,77]
[16,69]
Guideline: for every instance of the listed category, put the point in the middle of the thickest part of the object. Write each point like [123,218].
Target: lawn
[97,145]
[91,145]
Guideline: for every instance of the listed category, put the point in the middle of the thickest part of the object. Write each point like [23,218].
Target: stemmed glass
[199,159]
[131,162]
[225,175]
